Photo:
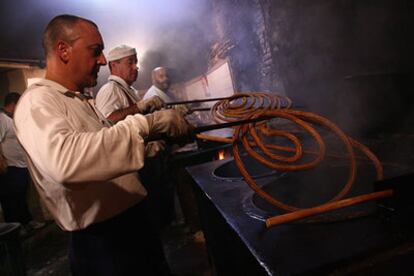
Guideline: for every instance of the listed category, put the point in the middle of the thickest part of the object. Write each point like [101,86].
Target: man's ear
[114,66]
[63,51]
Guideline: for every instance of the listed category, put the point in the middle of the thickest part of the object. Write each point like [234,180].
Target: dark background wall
[244,24]
[176,34]
[237,26]
[351,61]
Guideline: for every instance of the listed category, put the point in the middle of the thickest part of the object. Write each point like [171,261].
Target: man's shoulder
[108,88]
[3,116]
[152,91]
[39,96]
[39,92]
[5,122]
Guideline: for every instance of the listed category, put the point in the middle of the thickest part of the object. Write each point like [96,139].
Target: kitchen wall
[242,33]
[351,61]
[15,79]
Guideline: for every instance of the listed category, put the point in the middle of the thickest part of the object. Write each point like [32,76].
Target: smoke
[183,48]
[175,34]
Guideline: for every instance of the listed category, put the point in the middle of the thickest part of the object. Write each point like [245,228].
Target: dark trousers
[157,179]
[13,195]
[124,245]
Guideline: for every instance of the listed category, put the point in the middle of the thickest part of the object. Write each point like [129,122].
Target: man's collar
[60,88]
[52,84]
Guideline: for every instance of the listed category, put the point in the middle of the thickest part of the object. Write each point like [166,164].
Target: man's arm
[143,107]
[121,114]
[110,104]
[69,156]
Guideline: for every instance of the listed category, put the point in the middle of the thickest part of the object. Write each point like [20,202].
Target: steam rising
[175,34]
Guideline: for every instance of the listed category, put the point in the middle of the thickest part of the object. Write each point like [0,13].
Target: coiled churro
[255,105]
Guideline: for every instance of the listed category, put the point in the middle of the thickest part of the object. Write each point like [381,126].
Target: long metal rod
[229,124]
[198,101]
[199,109]
[200,129]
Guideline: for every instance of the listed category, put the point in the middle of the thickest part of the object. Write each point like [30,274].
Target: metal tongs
[200,129]
[198,101]
[204,128]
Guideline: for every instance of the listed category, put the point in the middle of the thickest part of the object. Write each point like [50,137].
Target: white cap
[120,52]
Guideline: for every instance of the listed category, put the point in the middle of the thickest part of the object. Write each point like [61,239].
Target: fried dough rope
[254,105]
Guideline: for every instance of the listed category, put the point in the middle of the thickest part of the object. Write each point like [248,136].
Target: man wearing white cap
[117,98]
[160,85]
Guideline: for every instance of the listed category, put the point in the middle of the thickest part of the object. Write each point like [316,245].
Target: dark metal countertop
[297,248]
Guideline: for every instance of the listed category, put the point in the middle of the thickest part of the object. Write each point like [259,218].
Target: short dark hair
[11,97]
[59,29]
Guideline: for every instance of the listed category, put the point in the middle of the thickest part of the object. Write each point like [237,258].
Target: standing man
[84,170]
[117,98]
[16,180]
[160,84]
[160,87]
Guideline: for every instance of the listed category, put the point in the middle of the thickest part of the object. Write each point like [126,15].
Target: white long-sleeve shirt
[114,95]
[12,150]
[155,91]
[84,171]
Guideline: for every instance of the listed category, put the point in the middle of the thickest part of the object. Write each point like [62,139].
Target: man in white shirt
[160,84]
[117,98]
[16,180]
[85,170]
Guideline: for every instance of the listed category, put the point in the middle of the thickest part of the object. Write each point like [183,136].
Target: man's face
[161,79]
[86,55]
[126,68]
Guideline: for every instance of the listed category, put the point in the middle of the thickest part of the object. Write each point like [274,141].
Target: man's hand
[150,105]
[170,125]
[154,147]
[182,108]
